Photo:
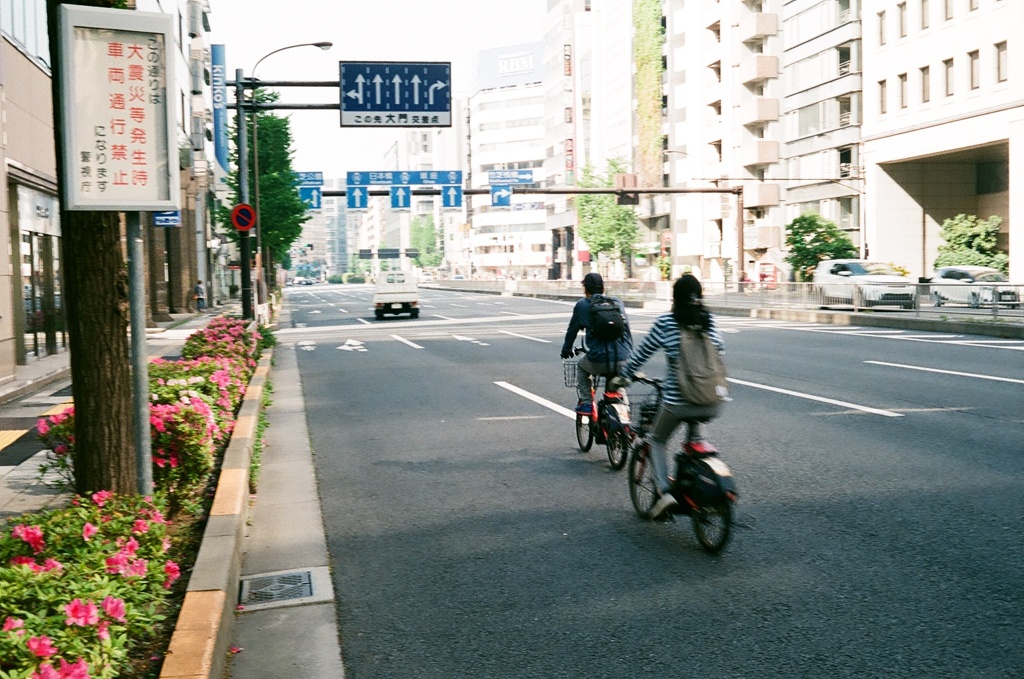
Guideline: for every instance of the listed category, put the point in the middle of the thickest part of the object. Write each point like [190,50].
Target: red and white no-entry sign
[243,216]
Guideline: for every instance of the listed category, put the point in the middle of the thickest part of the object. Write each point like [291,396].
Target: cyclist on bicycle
[687,311]
[604,356]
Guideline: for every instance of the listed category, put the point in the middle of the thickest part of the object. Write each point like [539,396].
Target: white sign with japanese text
[118,113]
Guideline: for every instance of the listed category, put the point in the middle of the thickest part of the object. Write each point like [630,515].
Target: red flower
[41,646]
[81,613]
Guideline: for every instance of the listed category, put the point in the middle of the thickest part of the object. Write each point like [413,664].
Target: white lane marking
[447,318]
[978,343]
[462,338]
[405,341]
[820,399]
[344,311]
[561,410]
[459,305]
[512,313]
[994,378]
[732,331]
[858,331]
[511,417]
[364,321]
[353,345]
[516,334]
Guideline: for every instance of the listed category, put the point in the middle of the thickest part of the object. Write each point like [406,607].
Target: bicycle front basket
[569,371]
[643,404]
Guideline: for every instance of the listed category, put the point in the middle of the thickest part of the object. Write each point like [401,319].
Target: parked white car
[861,282]
[974,286]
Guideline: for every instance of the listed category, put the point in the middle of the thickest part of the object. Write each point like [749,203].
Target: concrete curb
[202,634]
[32,386]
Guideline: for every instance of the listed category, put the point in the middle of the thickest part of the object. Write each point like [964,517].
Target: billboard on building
[513,65]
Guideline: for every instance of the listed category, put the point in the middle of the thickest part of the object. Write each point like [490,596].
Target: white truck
[396,293]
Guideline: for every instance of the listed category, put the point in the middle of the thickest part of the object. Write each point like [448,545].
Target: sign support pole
[140,360]
[243,191]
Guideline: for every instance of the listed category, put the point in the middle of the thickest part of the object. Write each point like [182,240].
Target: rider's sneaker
[585,408]
[664,503]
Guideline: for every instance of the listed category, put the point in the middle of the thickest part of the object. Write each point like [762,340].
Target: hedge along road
[469,537]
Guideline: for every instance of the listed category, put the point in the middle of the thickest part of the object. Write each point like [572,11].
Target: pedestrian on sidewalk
[199,295]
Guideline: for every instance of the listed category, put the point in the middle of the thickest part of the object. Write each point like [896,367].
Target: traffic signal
[626,181]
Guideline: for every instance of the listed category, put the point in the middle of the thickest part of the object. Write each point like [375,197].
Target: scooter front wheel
[584,432]
[712,524]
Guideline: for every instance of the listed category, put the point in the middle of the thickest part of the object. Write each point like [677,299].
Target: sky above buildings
[361,30]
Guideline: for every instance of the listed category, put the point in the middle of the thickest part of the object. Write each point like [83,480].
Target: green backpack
[700,370]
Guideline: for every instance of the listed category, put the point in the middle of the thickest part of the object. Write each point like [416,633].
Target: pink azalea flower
[41,646]
[101,497]
[52,565]
[81,613]
[46,671]
[22,561]
[89,531]
[103,630]
[173,572]
[137,569]
[130,547]
[114,607]
[117,563]
[42,427]
[33,535]
[78,670]
[140,526]
[12,623]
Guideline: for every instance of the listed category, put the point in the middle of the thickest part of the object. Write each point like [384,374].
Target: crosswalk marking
[9,436]
[57,409]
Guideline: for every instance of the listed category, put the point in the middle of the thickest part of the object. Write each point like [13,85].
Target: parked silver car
[974,286]
[862,283]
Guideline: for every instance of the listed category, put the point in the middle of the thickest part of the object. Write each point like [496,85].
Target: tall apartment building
[505,125]
[722,99]
[943,130]
[822,75]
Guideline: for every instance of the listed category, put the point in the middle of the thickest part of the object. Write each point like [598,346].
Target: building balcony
[759,110]
[757,26]
[760,152]
[760,194]
[758,67]
[762,237]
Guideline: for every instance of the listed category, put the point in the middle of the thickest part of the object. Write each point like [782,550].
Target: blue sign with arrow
[451,197]
[501,196]
[510,177]
[356,197]
[312,196]
[396,94]
[400,197]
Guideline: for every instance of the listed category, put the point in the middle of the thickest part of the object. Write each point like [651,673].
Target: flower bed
[84,586]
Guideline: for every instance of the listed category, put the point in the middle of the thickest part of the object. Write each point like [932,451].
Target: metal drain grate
[266,590]
[285,588]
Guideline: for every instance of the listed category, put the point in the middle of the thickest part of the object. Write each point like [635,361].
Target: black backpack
[607,322]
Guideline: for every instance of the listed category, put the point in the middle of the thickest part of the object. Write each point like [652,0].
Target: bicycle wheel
[712,524]
[641,481]
[618,449]
[584,433]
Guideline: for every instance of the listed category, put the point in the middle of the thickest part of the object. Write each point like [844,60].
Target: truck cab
[396,293]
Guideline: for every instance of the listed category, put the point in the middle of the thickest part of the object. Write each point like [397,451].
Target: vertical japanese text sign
[116,79]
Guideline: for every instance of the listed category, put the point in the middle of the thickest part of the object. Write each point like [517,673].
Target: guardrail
[925,300]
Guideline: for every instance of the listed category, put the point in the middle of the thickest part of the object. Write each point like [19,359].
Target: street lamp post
[260,254]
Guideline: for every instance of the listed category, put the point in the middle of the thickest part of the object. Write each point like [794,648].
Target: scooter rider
[602,357]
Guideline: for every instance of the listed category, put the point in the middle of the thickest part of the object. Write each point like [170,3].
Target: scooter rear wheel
[618,449]
[641,481]
[712,524]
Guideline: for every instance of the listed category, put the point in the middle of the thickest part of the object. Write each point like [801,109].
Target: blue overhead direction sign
[501,196]
[396,94]
[403,177]
[356,197]
[400,197]
[451,197]
[311,196]
[309,178]
[510,177]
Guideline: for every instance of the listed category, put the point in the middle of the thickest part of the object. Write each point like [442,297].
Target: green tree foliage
[605,226]
[282,213]
[971,241]
[810,239]
[648,41]
[423,237]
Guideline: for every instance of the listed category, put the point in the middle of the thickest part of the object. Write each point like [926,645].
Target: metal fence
[1003,303]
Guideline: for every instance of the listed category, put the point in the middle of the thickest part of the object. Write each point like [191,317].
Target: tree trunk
[97,311]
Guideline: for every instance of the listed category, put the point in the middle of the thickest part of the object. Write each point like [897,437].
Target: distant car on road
[974,286]
[458,277]
[864,283]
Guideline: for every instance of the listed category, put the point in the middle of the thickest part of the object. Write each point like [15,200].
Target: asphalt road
[881,482]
